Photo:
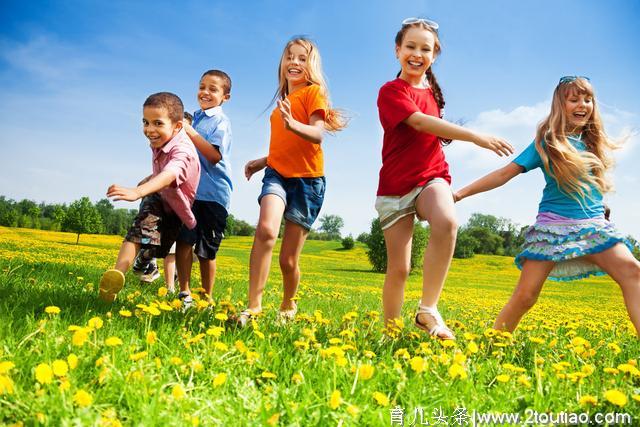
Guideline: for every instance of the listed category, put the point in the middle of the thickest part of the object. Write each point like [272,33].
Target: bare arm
[209,151]
[490,181]
[157,183]
[444,129]
[254,166]
[312,132]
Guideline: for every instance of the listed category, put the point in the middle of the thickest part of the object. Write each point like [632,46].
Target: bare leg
[398,241]
[435,204]
[292,244]
[271,210]
[170,272]
[208,274]
[127,254]
[184,259]
[533,275]
[620,264]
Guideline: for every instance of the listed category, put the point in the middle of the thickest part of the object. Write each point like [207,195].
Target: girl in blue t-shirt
[571,238]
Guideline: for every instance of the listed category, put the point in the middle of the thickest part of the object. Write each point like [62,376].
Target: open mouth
[294,71]
[415,63]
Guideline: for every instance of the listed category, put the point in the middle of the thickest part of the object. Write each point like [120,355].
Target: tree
[331,225]
[82,217]
[466,245]
[348,242]
[377,249]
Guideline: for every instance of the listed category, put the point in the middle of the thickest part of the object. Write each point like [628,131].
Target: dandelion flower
[588,400]
[503,378]
[268,375]
[335,400]
[417,364]
[616,397]
[113,341]
[138,356]
[296,378]
[72,360]
[125,313]
[457,371]
[6,366]
[380,398]
[82,399]
[6,385]
[177,391]
[80,336]
[162,291]
[219,379]
[152,337]
[366,371]
[52,309]
[95,323]
[60,368]
[44,374]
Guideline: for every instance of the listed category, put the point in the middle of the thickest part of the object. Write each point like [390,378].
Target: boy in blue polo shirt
[211,135]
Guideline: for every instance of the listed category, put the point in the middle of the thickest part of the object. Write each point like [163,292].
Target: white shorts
[392,208]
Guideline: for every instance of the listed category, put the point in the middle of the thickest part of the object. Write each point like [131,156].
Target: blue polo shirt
[553,198]
[215,180]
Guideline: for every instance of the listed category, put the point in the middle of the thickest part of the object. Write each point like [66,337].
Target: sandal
[245,316]
[285,316]
[435,325]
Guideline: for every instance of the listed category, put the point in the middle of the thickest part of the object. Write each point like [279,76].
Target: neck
[414,80]
[294,87]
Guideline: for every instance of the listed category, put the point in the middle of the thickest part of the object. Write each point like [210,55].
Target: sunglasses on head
[569,79]
[431,24]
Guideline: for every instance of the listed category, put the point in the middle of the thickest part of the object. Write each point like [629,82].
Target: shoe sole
[111,283]
[149,279]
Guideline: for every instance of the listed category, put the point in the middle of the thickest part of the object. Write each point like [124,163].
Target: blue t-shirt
[215,180]
[553,198]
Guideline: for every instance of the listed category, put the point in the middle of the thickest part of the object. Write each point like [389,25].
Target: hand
[187,127]
[123,193]
[497,145]
[285,112]
[456,197]
[254,166]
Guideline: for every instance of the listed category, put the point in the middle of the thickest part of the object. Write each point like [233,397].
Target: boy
[211,136]
[167,193]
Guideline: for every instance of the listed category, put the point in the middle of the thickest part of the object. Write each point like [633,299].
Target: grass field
[68,359]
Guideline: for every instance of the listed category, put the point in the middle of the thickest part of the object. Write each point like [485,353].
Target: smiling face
[211,92]
[416,53]
[578,108]
[294,67]
[158,127]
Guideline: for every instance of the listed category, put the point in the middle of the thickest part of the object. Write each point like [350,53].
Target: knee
[631,270]
[265,234]
[288,264]
[399,273]
[525,299]
[445,228]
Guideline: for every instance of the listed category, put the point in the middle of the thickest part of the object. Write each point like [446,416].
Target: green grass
[311,358]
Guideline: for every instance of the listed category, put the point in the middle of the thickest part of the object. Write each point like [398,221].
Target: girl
[414,179]
[293,183]
[571,238]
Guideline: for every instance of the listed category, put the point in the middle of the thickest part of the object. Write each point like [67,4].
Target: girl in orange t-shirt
[293,184]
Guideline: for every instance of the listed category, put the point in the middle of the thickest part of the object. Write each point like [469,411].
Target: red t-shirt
[409,158]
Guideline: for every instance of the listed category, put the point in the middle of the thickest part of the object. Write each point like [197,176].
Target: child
[293,183]
[571,238]
[414,178]
[148,272]
[167,193]
[211,135]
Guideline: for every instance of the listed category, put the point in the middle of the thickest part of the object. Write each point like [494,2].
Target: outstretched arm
[210,152]
[157,183]
[444,129]
[490,181]
[312,132]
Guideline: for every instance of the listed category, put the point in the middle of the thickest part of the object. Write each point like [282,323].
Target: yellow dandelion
[353,410]
[611,371]
[72,360]
[138,356]
[80,336]
[335,400]
[503,378]
[341,361]
[524,381]
[368,354]
[44,373]
[6,366]
[219,379]
[215,331]
[268,375]
[366,371]
[60,368]
[418,364]
[588,400]
[221,316]
[113,342]
[448,343]
[152,337]
[176,361]
[95,323]
[472,347]
[64,385]
[82,399]
[52,309]
[457,371]
[6,385]
[636,397]
[297,378]
[162,291]
[273,419]
[220,346]
[178,392]
[125,313]
[614,347]
[380,398]
[616,397]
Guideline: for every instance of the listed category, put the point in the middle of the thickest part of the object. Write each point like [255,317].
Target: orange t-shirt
[289,154]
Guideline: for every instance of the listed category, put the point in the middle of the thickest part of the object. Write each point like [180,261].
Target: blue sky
[73,76]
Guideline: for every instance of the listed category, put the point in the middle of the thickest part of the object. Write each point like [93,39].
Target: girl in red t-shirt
[414,178]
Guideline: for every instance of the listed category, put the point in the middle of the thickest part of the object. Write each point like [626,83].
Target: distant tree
[82,217]
[362,237]
[466,245]
[348,242]
[377,249]
[635,247]
[331,225]
[489,242]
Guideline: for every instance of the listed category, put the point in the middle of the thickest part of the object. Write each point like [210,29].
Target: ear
[226,97]
[177,126]
[397,52]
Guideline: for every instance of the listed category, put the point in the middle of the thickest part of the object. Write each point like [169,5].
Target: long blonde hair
[334,119]
[575,171]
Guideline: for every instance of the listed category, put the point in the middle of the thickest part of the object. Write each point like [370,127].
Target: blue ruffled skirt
[565,241]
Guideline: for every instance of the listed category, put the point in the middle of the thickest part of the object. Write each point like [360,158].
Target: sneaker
[140,265]
[150,274]
[111,283]
[186,299]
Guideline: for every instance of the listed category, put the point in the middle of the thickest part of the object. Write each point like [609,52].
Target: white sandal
[436,325]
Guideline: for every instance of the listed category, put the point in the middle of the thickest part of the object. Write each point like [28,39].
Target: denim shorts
[302,197]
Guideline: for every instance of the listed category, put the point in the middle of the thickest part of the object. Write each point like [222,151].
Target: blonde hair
[575,171]
[334,119]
